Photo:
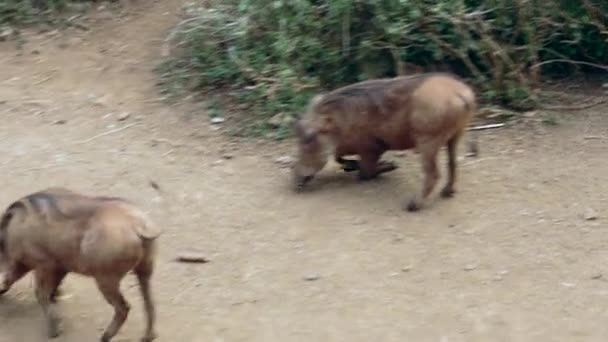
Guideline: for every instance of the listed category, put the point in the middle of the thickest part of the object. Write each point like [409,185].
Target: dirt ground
[510,258]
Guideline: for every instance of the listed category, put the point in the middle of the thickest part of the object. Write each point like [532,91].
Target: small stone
[470,267]
[597,276]
[227,156]
[360,221]
[590,215]
[568,284]
[123,116]
[312,277]
[59,122]
[217,120]
[279,120]
[284,161]
[407,268]
[6,33]
[217,162]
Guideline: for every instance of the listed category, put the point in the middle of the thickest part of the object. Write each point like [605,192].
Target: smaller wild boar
[423,111]
[57,231]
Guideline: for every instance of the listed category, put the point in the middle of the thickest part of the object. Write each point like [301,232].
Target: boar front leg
[370,167]
[428,155]
[14,273]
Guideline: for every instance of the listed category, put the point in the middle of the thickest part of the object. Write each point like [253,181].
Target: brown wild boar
[423,111]
[57,231]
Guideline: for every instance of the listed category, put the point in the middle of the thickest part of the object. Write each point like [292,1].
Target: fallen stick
[482,127]
[192,257]
[106,133]
[581,107]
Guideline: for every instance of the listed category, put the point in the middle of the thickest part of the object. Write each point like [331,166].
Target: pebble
[5,33]
[597,276]
[568,284]
[407,268]
[590,214]
[470,267]
[217,120]
[312,277]
[123,116]
[279,120]
[284,161]
[360,221]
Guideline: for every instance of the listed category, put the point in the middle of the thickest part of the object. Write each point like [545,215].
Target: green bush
[272,55]
[24,12]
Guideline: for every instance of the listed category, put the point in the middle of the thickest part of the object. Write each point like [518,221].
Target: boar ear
[297,127]
[303,135]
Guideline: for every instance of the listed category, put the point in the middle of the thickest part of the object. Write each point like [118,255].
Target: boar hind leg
[110,288]
[448,190]
[428,154]
[144,274]
[46,283]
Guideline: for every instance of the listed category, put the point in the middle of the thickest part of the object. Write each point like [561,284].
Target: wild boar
[57,231]
[423,111]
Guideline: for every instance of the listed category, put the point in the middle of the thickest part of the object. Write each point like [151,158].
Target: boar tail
[469,103]
[9,213]
[146,229]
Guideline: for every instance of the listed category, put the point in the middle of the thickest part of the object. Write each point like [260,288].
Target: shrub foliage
[272,55]
[19,12]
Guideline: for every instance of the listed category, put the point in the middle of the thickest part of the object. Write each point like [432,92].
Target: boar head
[312,155]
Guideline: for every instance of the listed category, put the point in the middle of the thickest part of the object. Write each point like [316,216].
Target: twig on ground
[595,65]
[43,80]
[581,107]
[106,133]
[483,127]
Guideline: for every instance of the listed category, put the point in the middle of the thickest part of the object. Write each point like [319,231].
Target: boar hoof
[54,329]
[54,296]
[149,338]
[413,206]
[447,192]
